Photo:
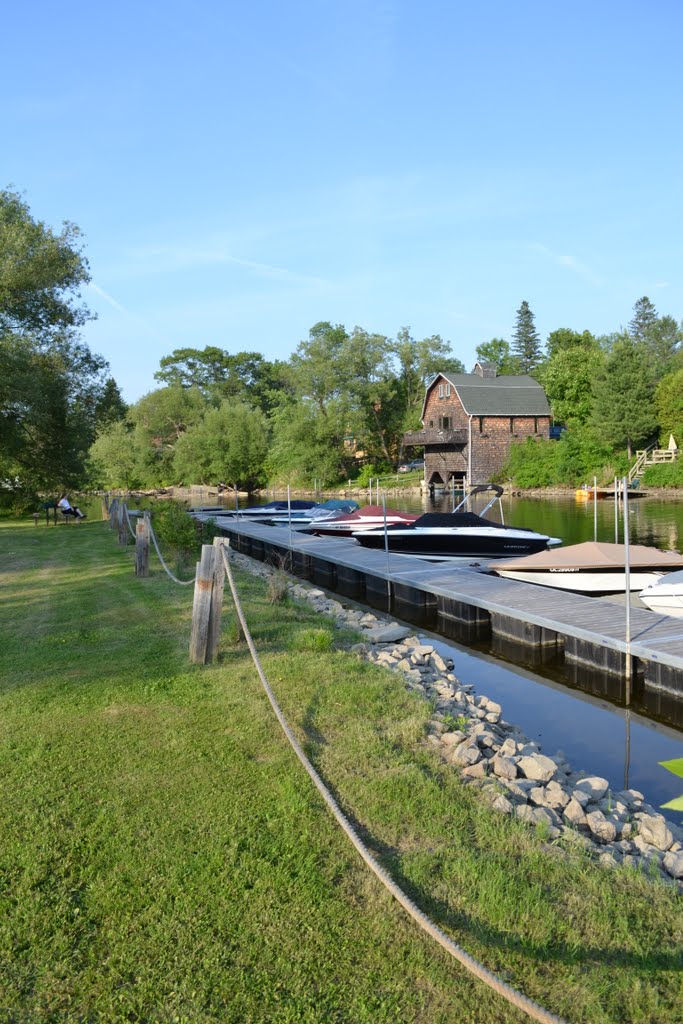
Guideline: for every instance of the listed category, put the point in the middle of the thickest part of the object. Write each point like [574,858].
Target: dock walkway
[588,630]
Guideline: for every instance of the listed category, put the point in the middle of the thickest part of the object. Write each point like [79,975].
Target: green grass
[164,858]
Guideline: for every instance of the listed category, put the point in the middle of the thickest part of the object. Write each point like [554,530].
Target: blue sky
[241,171]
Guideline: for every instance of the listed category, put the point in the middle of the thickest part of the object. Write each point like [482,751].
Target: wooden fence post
[142,547]
[123,526]
[201,608]
[216,608]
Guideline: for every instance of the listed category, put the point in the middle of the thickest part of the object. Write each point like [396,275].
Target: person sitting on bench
[68,509]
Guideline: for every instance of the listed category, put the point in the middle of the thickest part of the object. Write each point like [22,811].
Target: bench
[51,506]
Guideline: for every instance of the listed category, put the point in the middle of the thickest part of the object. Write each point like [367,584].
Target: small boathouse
[470,421]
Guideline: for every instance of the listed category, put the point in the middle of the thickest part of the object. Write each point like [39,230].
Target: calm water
[573,709]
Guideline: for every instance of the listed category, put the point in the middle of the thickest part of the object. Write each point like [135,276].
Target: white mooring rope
[517,999]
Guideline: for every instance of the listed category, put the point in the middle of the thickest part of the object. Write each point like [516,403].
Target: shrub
[315,640]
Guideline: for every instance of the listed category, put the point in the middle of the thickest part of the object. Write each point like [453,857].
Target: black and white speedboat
[459,534]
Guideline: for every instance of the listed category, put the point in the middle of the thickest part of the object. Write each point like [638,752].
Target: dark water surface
[575,710]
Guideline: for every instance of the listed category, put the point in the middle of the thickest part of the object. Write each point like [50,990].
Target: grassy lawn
[164,858]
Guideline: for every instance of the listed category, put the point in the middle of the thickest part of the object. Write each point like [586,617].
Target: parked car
[408,467]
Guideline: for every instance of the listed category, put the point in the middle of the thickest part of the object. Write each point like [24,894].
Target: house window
[445,423]
[535,424]
[431,424]
[481,424]
[440,390]
[512,424]
[448,391]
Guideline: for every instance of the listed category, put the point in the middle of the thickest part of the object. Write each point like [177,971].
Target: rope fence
[212,570]
[522,1002]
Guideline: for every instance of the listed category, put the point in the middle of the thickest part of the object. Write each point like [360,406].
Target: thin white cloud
[662,284]
[164,259]
[108,298]
[564,260]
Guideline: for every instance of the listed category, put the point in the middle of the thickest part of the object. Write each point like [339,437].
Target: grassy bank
[163,857]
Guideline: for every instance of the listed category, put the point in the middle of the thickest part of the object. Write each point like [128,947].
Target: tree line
[343,400]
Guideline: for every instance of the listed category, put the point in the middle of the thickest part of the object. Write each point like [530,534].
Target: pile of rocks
[514,776]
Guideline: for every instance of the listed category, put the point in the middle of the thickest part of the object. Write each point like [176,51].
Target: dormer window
[440,390]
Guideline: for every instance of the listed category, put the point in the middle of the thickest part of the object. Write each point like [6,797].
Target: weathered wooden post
[142,547]
[216,609]
[122,526]
[201,608]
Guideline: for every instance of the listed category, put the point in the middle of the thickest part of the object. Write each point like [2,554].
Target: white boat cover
[594,555]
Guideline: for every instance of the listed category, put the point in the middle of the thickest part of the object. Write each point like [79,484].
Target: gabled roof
[495,396]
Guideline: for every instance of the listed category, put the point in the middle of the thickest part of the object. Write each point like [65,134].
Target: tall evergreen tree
[526,344]
[643,320]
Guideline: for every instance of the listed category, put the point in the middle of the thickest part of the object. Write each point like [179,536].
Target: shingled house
[470,420]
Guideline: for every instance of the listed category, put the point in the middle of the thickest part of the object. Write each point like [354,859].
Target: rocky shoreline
[512,773]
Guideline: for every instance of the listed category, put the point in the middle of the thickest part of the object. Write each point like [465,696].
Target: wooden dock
[463,602]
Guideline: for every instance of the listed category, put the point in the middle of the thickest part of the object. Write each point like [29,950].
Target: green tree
[51,385]
[228,445]
[643,320]
[160,418]
[111,407]
[526,344]
[115,459]
[498,352]
[418,363]
[245,376]
[623,411]
[569,374]
[319,367]
[40,273]
[669,405]
[308,445]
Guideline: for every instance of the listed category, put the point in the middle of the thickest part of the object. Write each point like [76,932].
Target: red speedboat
[369,517]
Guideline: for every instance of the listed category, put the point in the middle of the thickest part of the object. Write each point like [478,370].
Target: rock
[438,662]
[508,748]
[504,767]
[601,827]
[474,771]
[582,797]
[654,830]
[537,766]
[537,816]
[594,786]
[465,754]
[387,634]
[451,739]
[673,864]
[519,788]
[574,813]
[502,804]
[555,796]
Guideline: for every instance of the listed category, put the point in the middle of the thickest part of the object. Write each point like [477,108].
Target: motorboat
[665,595]
[369,517]
[279,512]
[457,534]
[592,567]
